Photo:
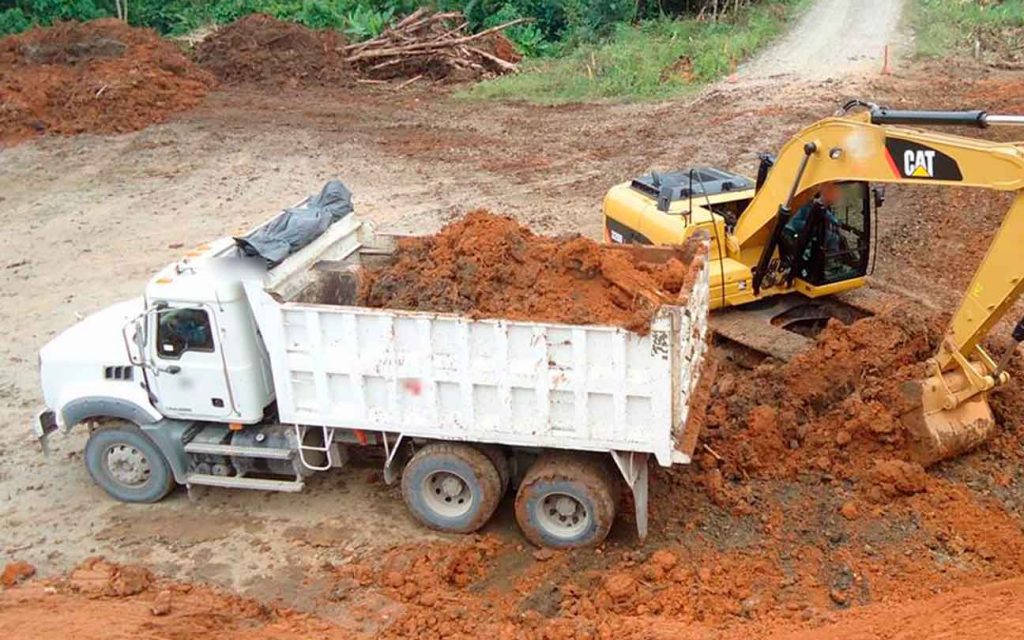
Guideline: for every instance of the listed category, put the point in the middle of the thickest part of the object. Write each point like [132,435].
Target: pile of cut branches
[435,45]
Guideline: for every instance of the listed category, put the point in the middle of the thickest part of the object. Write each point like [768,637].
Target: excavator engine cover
[675,186]
[936,433]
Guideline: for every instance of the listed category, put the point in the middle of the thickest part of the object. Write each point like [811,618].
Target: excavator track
[784,326]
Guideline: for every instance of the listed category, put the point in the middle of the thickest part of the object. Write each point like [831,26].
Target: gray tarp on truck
[296,227]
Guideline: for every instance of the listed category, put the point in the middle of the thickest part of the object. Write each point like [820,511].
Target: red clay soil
[263,50]
[94,77]
[489,266]
[447,591]
[100,601]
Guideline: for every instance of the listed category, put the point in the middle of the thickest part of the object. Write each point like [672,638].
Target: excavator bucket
[936,433]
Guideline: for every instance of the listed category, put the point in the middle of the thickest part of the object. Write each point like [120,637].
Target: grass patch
[952,27]
[650,60]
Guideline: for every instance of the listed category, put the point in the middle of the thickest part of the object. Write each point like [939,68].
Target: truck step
[236,482]
[210,448]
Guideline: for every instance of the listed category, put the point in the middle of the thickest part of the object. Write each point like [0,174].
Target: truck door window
[181,330]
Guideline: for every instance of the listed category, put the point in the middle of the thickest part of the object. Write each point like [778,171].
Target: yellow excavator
[804,226]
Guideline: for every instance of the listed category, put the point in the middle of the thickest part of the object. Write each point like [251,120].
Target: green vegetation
[554,27]
[554,21]
[358,18]
[575,49]
[652,59]
[947,27]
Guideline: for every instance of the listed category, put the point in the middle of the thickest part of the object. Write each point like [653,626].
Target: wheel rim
[127,465]
[447,494]
[563,515]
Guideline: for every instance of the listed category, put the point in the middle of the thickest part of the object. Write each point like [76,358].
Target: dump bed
[450,377]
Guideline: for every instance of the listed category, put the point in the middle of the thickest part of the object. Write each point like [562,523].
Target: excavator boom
[948,411]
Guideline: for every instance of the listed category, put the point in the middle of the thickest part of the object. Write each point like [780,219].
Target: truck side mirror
[879,193]
[139,335]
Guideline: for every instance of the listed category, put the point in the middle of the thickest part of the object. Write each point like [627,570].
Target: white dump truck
[234,374]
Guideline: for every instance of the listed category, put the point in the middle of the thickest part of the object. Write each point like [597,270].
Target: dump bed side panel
[691,348]
[448,377]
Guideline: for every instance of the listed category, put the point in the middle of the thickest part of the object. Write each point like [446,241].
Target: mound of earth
[94,77]
[489,266]
[261,49]
[833,409]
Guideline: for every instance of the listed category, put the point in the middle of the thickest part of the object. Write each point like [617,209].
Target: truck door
[190,379]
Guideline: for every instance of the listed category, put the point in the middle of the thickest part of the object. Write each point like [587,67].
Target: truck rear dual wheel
[452,487]
[566,501]
[126,464]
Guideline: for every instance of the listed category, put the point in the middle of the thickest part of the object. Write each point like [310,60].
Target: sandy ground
[89,218]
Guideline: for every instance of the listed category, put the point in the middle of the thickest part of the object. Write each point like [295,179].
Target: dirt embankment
[485,265]
[95,77]
[263,50]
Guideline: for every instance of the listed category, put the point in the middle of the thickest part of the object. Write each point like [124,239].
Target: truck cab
[188,350]
[197,344]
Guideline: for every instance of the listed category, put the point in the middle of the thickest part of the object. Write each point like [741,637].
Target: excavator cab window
[839,247]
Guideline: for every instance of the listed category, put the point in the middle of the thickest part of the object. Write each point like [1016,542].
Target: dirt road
[833,39]
[89,218]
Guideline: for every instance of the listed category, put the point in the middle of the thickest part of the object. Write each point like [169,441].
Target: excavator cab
[831,245]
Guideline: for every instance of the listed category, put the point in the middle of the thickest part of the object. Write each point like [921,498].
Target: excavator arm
[948,411]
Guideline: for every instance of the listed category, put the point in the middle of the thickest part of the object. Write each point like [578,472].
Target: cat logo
[919,164]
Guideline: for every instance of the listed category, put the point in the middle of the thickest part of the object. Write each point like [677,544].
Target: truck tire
[451,487]
[126,464]
[566,501]
[500,461]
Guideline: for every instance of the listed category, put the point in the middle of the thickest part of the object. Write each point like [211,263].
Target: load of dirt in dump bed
[261,49]
[93,77]
[489,266]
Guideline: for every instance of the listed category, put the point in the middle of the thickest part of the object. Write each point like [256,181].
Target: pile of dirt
[833,409]
[99,600]
[93,77]
[489,266]
[261,49]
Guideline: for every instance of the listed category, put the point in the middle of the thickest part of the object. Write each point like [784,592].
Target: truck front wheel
[451,487]
[127,465]
[566,501]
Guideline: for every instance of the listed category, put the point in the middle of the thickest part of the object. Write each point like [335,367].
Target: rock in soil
[15,572]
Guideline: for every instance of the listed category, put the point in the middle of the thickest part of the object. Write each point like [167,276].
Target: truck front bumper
[45,424]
